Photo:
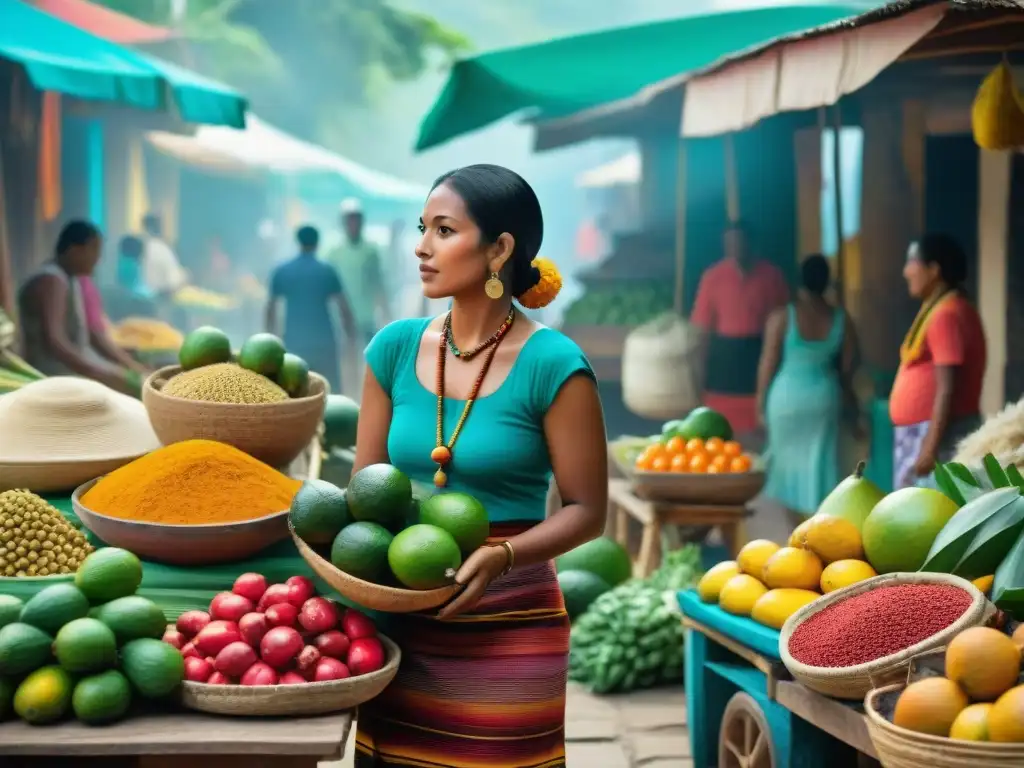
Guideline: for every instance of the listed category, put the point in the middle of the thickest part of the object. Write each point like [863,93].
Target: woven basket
[274,433]
[854,682]
[376,597]
[900,748]
[728,489]
[293,700]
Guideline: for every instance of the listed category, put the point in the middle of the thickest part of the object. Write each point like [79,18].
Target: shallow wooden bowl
[205,544]
[293,700]
[274,433]
[727,489]
[377,597]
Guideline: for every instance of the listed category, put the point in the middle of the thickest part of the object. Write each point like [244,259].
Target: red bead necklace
[469,354]
[442,454]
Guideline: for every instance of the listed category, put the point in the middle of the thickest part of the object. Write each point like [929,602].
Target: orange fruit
[695,445]
[740,463]
[680,463]
[661,464]
[675,445]
[713,470]
[732,448]
[714,445]
[699,462]
[984,662]
[720,464]
[930,706]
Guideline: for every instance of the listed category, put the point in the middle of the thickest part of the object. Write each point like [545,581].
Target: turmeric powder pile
[192,483]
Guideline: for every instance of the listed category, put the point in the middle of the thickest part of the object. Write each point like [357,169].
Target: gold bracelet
[511,556]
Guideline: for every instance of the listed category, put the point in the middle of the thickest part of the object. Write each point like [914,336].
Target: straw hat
[61,431]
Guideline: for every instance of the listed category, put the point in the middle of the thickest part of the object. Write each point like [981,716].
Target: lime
[424,557]
[319,511]
[85,645]
[109,573]
[262,353]
[102,698]
[461,515]
[205,345]
[361,550]
[380,493]
[293,377]
[44,696]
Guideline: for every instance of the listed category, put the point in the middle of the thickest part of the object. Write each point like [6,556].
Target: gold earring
[493,287]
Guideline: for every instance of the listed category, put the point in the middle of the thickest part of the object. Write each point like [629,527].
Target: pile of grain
[225,383]
[36,539]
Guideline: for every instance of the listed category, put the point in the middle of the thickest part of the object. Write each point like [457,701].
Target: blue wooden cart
[745,711]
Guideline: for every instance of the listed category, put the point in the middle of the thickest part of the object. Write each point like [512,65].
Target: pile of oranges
[711,456]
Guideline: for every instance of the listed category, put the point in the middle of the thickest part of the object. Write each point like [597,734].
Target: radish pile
[283,634]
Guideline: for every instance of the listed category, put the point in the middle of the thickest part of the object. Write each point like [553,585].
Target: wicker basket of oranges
[712,471]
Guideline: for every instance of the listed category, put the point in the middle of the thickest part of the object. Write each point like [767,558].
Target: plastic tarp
[569,74]
[624,170]
[60,57]
[104,22]
[261,146]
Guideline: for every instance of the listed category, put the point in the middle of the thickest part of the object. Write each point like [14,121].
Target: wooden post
[680,226]
[6,273]
[837,182]
[732,192]
[994,183]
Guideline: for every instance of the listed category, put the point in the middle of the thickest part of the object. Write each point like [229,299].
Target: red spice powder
[876,624]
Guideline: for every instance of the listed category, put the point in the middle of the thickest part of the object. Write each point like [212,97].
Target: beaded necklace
[469,354]
[442,454]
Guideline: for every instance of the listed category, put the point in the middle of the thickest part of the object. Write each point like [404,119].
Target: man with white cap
[357,262]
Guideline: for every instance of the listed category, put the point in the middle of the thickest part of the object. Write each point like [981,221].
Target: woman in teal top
[805,371]
[484,401]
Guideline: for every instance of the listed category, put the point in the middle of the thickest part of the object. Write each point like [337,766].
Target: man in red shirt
[734,299]
[936,396]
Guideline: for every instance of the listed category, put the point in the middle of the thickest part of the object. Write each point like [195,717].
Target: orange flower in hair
[546,289]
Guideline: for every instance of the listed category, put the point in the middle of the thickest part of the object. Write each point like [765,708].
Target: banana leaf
[995,473]
[944,481]
[993,542]
[959,533]
[1008,587]
[1014,476]
[965,481]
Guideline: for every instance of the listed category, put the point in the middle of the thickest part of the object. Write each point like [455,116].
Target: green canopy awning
[570,74]
[63,58]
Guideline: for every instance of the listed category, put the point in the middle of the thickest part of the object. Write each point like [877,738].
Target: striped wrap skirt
[483,690]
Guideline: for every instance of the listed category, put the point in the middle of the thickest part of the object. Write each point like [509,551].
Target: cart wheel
[745,739]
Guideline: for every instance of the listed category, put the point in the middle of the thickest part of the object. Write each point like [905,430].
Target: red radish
[282,615]
[219,678]
[357,625]
[215,636]
[292,678]
[334,644]
[307,660]
[250,586]
[330,669]
[318,615]
[300,589]
[197,670]
[280,646]
[235,659]
[175,638]
[276,593]
[227,606]
[253,627]
[259,674]
[190,623]
[188,650]
[365,655]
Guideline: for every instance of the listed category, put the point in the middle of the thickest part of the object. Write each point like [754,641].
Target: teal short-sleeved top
[501,456]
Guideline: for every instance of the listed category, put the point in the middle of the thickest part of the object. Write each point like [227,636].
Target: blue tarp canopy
[63,58]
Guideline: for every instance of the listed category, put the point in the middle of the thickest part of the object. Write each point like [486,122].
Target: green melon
[602,557]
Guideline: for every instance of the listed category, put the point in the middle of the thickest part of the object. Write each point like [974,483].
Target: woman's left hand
[925,464]
[479,570]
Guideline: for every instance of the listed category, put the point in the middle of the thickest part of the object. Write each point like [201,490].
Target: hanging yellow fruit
[997,116]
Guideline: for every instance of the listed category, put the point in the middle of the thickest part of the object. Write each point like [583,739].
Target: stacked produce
[191,296]
[264,372]
[192,482]
[622,303]
[341,419]
[146,334]
[590,570]
[376,531]
[36,539]
[979,695]
[630,637]
[701,443]
[279,634]
[15,373]
[87,648]
[984,539]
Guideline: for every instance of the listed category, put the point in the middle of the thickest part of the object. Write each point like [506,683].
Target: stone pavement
[646,729]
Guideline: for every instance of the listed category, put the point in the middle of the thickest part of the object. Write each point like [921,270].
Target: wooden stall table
[173,740]
[744,709]
[654,516]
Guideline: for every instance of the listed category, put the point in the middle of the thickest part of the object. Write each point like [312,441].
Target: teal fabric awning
[60,57]
[570,74]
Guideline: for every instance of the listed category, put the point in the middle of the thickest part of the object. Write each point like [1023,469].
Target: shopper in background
[806,367]
[734,299]
[161,270]
[308,287]
[936,397]
[358,264]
